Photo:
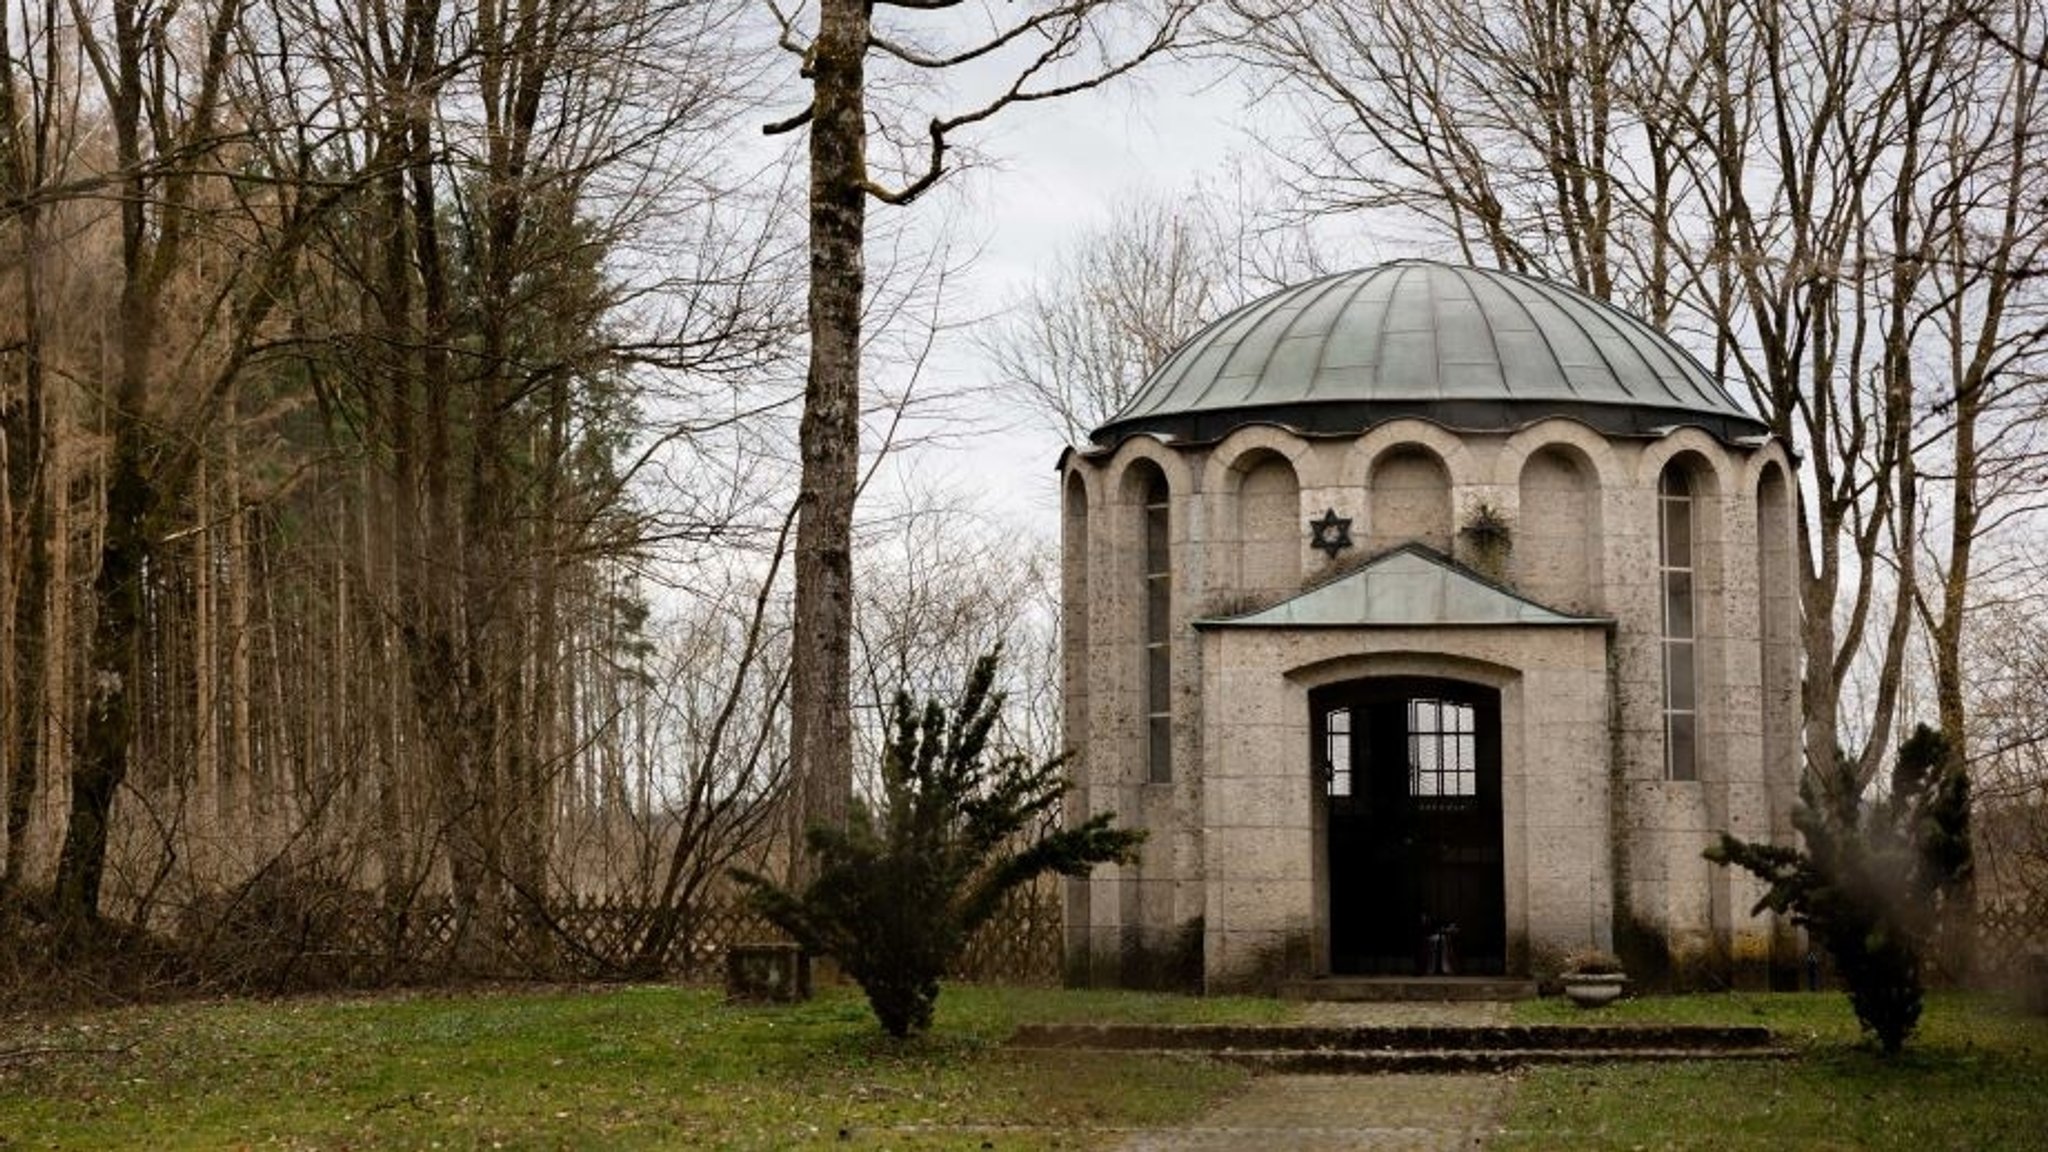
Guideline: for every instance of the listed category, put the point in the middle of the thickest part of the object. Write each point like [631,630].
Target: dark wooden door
[1411,777]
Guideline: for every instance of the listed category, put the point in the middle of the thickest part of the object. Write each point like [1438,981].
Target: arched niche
[1777,582]
[1270,526]
[1074,602]
[1410,500]
[1074,523]
[1557,536]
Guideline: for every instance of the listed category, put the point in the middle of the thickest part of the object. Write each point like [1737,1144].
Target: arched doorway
[1410,772]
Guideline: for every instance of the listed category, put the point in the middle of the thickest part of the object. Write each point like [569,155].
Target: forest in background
[399,402]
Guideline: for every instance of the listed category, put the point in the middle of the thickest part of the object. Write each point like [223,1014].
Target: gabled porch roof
[1411,586]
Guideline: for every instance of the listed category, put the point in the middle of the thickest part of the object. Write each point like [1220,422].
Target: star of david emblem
[1331,533]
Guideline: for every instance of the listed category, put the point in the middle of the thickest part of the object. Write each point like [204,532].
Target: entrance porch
[1422,794]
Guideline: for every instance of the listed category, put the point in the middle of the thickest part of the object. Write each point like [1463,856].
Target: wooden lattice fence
[1022,944]
[2012,942]
[356,939]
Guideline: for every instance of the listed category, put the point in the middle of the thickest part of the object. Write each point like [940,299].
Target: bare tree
[723,707]
[1788,183]
[1121,297]
[945,586]
[1061,48]
[2007,668]
[500,394]
[1986,326]
[319,558]
[27,140]
[169,140]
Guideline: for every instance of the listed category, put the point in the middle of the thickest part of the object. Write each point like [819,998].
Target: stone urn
[1593,978]
[1593,989]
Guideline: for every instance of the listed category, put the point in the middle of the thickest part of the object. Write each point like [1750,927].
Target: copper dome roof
[1473,349]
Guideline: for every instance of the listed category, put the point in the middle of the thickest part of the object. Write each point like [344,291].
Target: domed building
[1431,619]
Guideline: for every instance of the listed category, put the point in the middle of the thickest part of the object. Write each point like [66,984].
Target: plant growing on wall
[896,895]
[1489,538]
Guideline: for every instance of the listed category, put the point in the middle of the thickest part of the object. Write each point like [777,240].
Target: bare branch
[1062,45]
[789,124]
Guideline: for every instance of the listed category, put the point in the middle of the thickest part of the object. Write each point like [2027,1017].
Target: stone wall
[1235,833]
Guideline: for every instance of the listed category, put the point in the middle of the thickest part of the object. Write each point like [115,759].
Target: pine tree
[895,896]
[1872,880]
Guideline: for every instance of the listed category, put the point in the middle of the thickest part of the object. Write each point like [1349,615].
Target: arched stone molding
[1403,662]
[1180,477]
[1074,602]
[1225,465]
[1077,512]
[1116,533]
[1754,465]
[1630,584]
[1707,548]
[1713,475]
[1776,513]
[1777,567]
[1087,473]
[1594,450]
[1713,463]
[1258,521]
[1410,496]
[1398,435]
[1118,604]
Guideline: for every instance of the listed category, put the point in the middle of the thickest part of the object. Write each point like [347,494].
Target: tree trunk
[107,727]
[203,810]
[821,733]
[108,724]
[25,521]
[238,784]
[24,674]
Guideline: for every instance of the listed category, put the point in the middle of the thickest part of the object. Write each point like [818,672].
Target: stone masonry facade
[1600,846]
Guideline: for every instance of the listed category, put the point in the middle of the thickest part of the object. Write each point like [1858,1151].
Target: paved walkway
[1329,1113]
[1330,1013]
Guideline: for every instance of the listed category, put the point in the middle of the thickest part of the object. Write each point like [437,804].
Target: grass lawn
[661,1067]
[638,1067]
[1975,1076]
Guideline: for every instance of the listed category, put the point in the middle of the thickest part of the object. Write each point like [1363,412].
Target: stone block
[1259,801]
[767,973]
[1264,905]
[1258,962]
[1274,852]
[1248,748]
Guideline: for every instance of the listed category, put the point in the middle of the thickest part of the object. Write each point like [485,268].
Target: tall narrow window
[1337,752]
[1158,635]
[1675,560]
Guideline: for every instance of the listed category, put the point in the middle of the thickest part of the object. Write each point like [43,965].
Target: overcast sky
[1049,173]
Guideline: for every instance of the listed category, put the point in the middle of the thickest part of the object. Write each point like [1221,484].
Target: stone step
[1381,989]
[1398,1038]
[1358,1063]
